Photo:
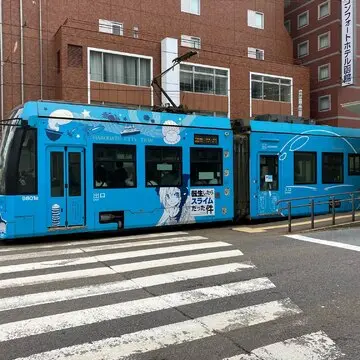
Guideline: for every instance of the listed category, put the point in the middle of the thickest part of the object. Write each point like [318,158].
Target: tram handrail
[312,203]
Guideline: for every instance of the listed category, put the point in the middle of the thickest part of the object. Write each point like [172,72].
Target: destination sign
[200,139]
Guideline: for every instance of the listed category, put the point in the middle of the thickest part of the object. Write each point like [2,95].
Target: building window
[205,80]
[135,32]
[304,168]
[287,3]
[111,27]
[256,53]
[114,166]
[163,166]
[255,19]
[303,49]
[324,72]
[119,69]
[270,88]
[190,6]
[287,25]
[190,41]
[303,19]
[354,164]
[332,168]
[324,10]
[325,103]
[324,41]
[205,166]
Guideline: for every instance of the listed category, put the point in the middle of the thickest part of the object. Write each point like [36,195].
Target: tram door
[268,180]
[66,190]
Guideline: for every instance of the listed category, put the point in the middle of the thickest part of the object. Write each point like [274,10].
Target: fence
[331,200]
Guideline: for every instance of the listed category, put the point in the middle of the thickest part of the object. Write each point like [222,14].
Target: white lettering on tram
[30,198]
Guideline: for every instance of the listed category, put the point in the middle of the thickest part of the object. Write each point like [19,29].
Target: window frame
[307,19]
[185,6]
[313,153]
[322,167]
[253,15]
[211,149]
[328,65]
[102,145]
[353,173]
[214,75]
[192,42]
[329,7]
[319,100]
[328,34]
[287,24]
[279,83]
[307,49]
[138,58]
[179,162]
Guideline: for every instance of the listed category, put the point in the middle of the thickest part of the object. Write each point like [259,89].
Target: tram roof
[92,112]
[296,128]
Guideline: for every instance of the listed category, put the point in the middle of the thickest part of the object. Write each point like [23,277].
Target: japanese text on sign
[347,66]
[202,202]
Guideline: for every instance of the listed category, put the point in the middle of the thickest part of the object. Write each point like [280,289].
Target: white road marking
[61,321]
[315,346]
[14,247]
[17,302]
[108,257]
[31,255]
[143,341]
[42,279]
[325,242]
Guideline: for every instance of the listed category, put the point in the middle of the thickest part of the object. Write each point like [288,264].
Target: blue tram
[67,168]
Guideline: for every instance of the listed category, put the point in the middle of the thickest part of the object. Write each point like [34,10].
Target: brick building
[324,37]
[108,51]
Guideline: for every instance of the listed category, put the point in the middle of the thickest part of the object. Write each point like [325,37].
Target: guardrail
[352,196]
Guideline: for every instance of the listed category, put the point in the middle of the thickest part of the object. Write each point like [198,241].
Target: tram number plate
[200,139]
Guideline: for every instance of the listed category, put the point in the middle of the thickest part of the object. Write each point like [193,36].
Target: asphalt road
[196,294]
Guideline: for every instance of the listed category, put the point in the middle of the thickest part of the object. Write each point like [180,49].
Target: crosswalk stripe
[38,254]
[41,279]
[27,300]
[315,346]
[143,341]
[15,247]
[61,321]
[108,257]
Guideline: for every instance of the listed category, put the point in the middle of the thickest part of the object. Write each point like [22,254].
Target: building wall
[336,115]
[222,26]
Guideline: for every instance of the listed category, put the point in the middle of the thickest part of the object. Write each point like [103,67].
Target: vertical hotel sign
[347,66]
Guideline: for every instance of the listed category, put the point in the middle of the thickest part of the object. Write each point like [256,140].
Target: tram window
[332,168]
[163,166]
[354,164]
[304,167]
[205,167]
[115,166]
[57,174]
[74,174]
[269,173]
[27,171]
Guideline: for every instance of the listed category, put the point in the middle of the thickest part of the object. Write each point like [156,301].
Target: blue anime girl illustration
[176,204]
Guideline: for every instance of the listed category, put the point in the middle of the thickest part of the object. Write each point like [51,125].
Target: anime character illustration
[176,204]
[2,227]
[56,119]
